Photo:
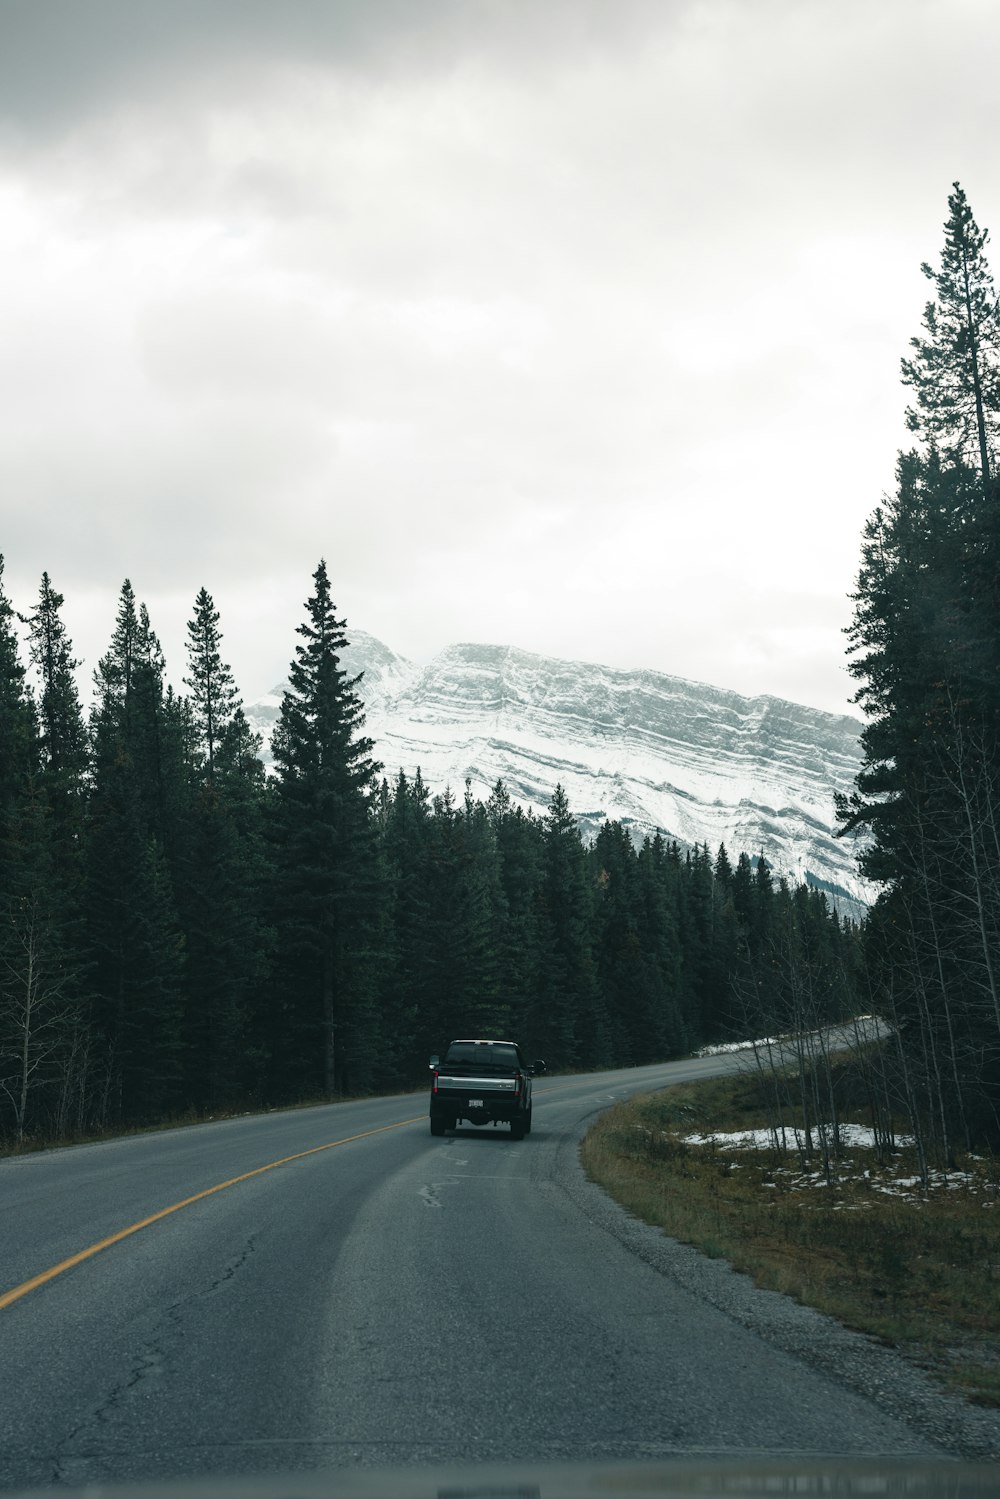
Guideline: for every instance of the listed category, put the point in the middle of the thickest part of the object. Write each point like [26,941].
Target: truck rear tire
[437,1126]
[517,1129]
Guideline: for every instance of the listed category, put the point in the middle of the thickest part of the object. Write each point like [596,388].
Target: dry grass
[920,1270]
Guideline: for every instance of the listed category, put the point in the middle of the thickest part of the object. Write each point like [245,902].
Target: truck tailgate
[476,1085]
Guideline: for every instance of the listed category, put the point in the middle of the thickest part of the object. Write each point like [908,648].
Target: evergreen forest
[183,933]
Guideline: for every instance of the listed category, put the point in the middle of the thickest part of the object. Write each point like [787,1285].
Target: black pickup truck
[485,1082]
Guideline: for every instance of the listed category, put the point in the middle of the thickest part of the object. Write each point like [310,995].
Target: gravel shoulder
[851,1359]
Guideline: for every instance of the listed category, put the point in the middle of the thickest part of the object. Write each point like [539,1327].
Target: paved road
[392,1299]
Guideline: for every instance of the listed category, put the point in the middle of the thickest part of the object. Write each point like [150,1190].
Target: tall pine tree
[326,869]
[220,862]
[955,370]
[213,692]
[137,945]
[63,736]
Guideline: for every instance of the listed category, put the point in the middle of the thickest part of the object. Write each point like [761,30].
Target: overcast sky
[567,324]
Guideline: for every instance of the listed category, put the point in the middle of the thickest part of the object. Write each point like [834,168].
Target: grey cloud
[63,60]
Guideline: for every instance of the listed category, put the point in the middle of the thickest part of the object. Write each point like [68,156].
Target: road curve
[380,1298]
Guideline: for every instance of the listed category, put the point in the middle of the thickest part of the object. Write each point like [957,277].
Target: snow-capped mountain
[699,763]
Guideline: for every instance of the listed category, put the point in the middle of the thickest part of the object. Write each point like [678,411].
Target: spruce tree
[659,940]
[133,832]
[743,896]
[54,830]
[63,736]
[113,678]
[569,1021]
[409,993]
[484,904]
[464,921]
[698,922]
[617,957]
[220,864]
[519,843]
[326,867]
[955,369]
[213,692]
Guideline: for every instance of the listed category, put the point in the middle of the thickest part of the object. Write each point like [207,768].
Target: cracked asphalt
[402,1299]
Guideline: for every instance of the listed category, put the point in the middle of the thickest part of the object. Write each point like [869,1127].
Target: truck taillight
[517,1086]
[434,1084]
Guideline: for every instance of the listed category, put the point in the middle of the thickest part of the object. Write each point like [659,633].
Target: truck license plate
[475,1103]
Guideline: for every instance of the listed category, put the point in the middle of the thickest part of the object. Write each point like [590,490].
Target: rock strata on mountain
[700,764]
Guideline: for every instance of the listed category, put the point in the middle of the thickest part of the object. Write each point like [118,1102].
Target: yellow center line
[9,1297]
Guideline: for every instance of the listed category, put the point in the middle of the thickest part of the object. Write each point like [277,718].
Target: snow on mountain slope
[699,763]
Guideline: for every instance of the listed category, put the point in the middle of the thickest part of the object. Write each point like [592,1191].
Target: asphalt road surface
[385,1299]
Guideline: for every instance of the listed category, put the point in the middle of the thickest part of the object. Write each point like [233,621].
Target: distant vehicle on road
[484,1082]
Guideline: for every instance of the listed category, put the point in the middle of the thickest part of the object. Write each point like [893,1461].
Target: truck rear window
[465,1053]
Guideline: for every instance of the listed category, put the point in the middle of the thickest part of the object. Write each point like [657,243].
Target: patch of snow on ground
[846,1168]
[858,1136]
[728,1046]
